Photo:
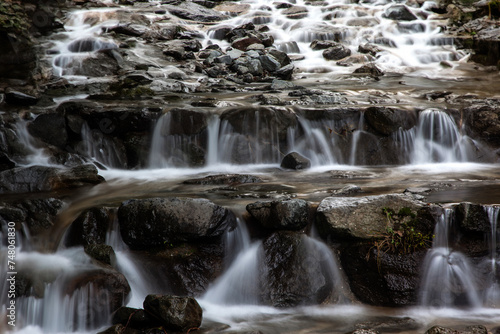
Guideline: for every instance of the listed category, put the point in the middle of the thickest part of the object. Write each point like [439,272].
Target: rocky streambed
[295,166]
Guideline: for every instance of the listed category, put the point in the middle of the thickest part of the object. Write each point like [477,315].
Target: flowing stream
[436,151]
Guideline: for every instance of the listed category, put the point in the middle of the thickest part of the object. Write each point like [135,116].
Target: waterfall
[448,277]
[492,290]
[34,154]
[102,148]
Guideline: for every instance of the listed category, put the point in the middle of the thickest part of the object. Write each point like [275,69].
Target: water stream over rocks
[146,155]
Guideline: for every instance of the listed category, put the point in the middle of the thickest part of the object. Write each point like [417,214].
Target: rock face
[147,223]
[173,312]
[388,120]
[360,217]
[293,272]
[90,227]
[292,214]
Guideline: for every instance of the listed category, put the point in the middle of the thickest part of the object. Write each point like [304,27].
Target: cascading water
[492,291]
[448,277]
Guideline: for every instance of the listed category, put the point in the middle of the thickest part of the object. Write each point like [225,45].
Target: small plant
[401,236]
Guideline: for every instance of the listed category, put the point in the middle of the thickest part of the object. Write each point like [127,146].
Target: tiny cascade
[34,154]
[492,290]
[448,277]
[236,241]
[102,149]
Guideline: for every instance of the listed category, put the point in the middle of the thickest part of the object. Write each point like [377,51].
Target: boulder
[285,72]
[50,128]
[134,318]
[154,222]
[361,217]
[290,214]
[90,227]
[295,160]
[386,279]
[20,99]
[483,121]
[399,13]
[101,253]
[173,312]
[43,178]
[472,218]
[318,44]
[294,272]
[336,52]
[387,120]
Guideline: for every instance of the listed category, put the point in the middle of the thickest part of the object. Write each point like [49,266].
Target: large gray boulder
[361,217]
[153,222]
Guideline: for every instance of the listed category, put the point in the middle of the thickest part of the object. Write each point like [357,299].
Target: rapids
[416,57]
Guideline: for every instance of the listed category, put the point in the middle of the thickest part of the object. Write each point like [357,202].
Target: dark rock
[399,13]
[102,253]
[135,318]
[41,178]
[386,279]
[355,59]
[229,179]
[186,122]
[293,273]
[280,56]
[100,64]
[285,72]
[441,330]
[336,52]
[322,44]
[50,128]
[483,121]
[125,30]
[20,99]
[176,313]
[6,162]
[220,33]
[291,214]
[386,120]
[369,49]
[371,70]
[19,56]
[295,160]
[149,223]
[244,42]
[89,228]
[390,325]
[278,84]
[348,190]
[472,218]
[269,63]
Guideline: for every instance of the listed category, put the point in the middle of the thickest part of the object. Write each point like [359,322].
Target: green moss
[13,19]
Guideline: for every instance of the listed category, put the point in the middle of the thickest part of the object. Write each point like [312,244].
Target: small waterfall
[239,285]
[102,149]
[448,277]
[438,139]
[34,154]
[492,290]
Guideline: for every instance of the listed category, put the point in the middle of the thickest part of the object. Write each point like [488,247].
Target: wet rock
[336,52]
[472,218]
[386,120]
[50,128]
[293,273]
[370,69]
[181,49]
[134,318]
[148,223]
[194,12]
[369,49]
[125,29]
[244,42]
[269,63]
[229,179]
[386,279]
[90,227]
[318,44]
[295,160]
[355,59]
[483,121]
[389,325]
[42,178]
[175,313]
[102,253]
[38,214]
[295,12]
[100,64]
[399,13]
[477,329]
[360,217]
[348,190]
[20,99]
[285,72]
[291,214]
[278,84]
[186,122]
